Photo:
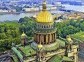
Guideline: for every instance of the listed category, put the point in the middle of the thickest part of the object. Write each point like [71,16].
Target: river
[12,17]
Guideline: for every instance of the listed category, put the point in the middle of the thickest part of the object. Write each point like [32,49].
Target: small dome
[44,17]
[23,35]
[69,39]
[40,46]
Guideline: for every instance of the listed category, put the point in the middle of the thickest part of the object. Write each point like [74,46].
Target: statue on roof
[69,43]
[23,39]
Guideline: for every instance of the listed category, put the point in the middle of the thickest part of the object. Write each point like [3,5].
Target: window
[42,26]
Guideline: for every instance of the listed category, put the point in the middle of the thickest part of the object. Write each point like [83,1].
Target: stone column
[75,58]
[54,37]
[46,39]
[50,38]
[42,39]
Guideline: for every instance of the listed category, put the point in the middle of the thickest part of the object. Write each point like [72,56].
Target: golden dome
[44,16]
[40,46]
[23,35]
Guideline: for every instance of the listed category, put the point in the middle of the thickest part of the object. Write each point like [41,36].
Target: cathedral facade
[46,47]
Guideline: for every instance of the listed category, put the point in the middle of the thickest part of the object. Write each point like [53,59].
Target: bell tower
[23,39]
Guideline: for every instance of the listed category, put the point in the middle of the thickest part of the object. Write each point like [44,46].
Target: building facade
[46,47]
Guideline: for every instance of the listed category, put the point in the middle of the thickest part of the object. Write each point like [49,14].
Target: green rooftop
[55,45]
[61,42]
[27,50]
[67,59]
[55,59]
[78,36]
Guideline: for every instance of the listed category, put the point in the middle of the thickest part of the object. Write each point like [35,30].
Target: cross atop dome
[44,5]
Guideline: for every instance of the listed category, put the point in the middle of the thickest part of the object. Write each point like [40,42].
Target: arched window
[42,26]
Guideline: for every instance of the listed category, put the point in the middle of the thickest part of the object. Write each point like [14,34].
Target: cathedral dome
[44,17]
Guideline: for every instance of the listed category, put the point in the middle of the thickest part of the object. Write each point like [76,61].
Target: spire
[44,5]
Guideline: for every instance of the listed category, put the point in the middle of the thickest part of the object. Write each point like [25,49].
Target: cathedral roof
[57,58]
[44,16]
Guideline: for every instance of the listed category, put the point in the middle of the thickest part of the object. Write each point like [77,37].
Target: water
[11,17]
[73,7]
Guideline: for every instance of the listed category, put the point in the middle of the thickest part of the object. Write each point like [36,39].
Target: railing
[45,30]
[76,41]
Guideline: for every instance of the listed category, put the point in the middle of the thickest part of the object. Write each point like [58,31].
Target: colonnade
[45,38]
